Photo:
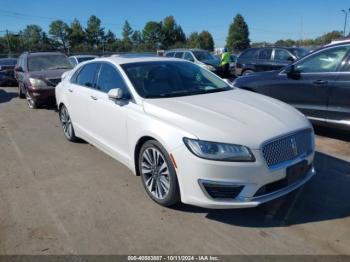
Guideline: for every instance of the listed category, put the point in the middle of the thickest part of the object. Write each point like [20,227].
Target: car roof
[83,56]
[43,53]
[185,49]
[119,59]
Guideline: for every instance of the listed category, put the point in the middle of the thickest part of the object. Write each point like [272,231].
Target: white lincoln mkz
[191,136]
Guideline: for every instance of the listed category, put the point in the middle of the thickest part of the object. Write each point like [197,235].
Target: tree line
[93,38]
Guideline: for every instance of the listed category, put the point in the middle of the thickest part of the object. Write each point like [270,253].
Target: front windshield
[202,55]
[171,79]
[48,62]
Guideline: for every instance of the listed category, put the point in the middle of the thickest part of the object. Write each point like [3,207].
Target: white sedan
[190,135]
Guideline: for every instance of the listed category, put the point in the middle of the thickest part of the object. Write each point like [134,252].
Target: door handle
[320,82]
[93,97]
[70,90]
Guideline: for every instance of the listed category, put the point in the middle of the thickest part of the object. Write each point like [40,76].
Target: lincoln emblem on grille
[294,146]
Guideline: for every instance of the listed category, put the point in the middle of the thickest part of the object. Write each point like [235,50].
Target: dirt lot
[58,197]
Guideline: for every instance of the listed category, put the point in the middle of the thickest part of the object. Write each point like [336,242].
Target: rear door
[281,58]
[264,62]
[308,88]
[339,95]
[79,96]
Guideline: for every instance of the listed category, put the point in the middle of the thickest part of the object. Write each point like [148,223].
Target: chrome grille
[288,148]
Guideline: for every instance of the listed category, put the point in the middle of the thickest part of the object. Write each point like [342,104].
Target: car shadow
[332,133]
[324,197]
[7,96]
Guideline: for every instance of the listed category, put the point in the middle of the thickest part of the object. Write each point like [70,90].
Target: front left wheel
[67,125]
[158,174]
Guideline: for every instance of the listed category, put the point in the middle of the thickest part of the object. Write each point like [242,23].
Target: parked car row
[189,135]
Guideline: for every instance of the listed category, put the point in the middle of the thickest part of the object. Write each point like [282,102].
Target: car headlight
[219,151]
[37,83]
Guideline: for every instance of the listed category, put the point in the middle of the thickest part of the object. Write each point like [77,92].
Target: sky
[268,20]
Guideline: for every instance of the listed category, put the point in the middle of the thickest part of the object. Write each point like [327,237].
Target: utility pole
[346,12]
[8,43]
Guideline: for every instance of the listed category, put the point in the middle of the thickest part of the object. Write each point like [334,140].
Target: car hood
[48,74]
[236,116]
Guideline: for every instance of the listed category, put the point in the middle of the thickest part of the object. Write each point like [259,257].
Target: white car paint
[234,117]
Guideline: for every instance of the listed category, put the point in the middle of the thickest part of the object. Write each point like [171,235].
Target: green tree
[172,34]
[32,38]
[127,33]
[137,41]
[238,35]
[77,36]
[60,32]
[206,41]
[152,35]
[94,32]
[193,40]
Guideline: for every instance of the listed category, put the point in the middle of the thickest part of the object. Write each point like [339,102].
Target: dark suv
[7,66]
[38,74]
[317,84]
[266,59]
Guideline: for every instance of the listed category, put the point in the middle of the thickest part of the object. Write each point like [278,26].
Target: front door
[109,117]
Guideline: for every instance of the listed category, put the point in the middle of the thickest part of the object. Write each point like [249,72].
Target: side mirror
[0,68]
[292,73]
[115,94]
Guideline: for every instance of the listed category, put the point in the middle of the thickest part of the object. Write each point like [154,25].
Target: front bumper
[42,95]
[251,176]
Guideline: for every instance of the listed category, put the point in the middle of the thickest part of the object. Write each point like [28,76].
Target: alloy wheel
[155,172]
[66,123]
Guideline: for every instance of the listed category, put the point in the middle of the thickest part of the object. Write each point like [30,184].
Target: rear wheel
[158,174]
[67,125]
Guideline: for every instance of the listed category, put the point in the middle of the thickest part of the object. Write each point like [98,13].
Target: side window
[188,57]
[265,54]
[283,55]
[323,61]
[73,61]
[86,76]
[171,54]
[249,54]
[179,54]
[110,78]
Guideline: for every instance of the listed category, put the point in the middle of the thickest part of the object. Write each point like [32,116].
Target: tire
[20,92]
[31,103]
[67,125]
[158,177]
[247,72]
